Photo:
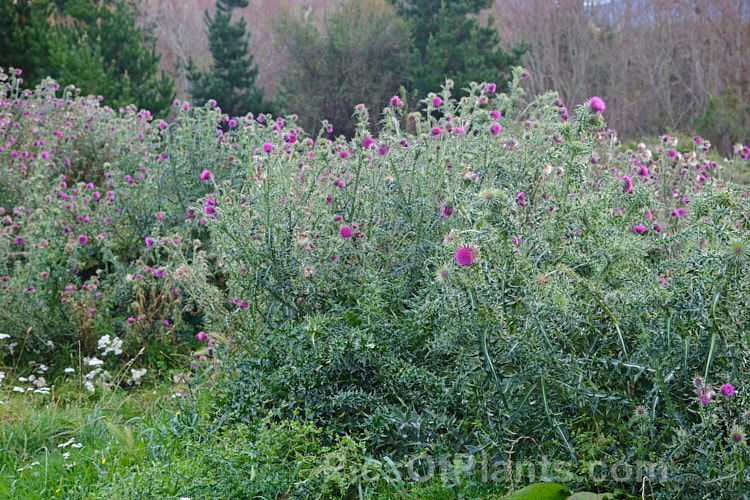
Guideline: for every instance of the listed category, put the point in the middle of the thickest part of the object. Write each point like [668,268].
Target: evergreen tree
[231,78]
[103,51]
[24,32]
[450,44]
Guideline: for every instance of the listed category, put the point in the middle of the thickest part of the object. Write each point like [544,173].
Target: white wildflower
[76,445]
[103,342]
[4,336]
[67,443]
[137,374]
[93,361]
[18,389]
[70,370]
[89,386]
[108,344]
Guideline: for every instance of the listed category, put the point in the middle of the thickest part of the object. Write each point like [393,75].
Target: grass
[146,443]
[61,445]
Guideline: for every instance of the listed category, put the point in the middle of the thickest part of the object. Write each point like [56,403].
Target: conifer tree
[230,80]
[103,51]
[24,32]
[450,44]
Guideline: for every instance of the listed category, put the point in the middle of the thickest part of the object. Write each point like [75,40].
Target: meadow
[489,298]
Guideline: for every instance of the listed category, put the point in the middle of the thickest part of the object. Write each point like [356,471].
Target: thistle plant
[482,269]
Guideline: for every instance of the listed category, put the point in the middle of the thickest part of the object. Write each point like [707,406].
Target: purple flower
[368,142]
[678,212]
[627,184]
[447,210]
[728,389]
[149,241]
[437,101]
[464,256]
[232,123]
[346,232]
[205,174]
[83,239]
[639,228]
[597,104]
[704,391]
[267,147]
[496,128]
[201,335]
[436,131]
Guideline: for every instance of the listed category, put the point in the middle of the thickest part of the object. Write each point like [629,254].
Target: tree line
[661,64]
[363,52]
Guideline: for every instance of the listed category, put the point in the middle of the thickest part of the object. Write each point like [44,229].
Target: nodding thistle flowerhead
[464,256]
[437,101]
[83,239]
[738,252]
[205,174]
[496,128]
[597,104]
[346,232]
[704,391]
[639,228]
[727,389]
[737,435]
[442,274]
[627,184]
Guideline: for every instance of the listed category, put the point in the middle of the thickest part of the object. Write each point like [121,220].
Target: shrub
[86,224]
[359,56]
[472,283]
